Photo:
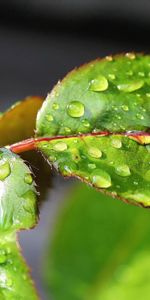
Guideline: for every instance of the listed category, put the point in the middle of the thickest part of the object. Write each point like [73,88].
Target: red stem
[31,144]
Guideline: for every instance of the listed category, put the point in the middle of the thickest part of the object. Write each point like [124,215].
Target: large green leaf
[18,210]
[94,122]
[99,250]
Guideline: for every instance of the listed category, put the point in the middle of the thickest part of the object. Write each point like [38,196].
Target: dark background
[40,41]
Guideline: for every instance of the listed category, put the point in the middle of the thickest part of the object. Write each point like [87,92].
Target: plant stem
[31,144]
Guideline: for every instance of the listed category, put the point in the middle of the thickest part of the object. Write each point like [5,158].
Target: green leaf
[18,122]
[18,210]
[99,250]
[77,105]
[15,282]
[95,126]
[18,205]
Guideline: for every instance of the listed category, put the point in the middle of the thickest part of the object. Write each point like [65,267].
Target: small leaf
[95,126]
[99,250]
[18,122]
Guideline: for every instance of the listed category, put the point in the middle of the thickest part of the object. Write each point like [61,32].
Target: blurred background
[40,41]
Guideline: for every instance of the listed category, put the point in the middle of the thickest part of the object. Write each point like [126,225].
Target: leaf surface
[18,210]
[96,126]
[99,251]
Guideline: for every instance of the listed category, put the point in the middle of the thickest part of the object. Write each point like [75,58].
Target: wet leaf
[15,281]
[18,204]
[18,122]
[96,125]
[18,210]
[99,250]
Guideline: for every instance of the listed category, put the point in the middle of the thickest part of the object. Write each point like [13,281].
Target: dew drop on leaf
[29,201]
[131,86]
[75,109]
[28,178]
[123,170]
[139,116]
[92,166]
[85,123]
[4,170]
[99,84]
[100,178]
[94,152]
[125,107]
[49,118]
[55,106]
[60,146]
[67,129]
[116,143]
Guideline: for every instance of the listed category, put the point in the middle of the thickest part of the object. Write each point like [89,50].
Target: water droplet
[94,152]
[61,146]
[99,84]
[28,178]
[148,95]
[85,123]
[123,170]
[52,158]
[29,201]
[4,170]
[3,256]
[131,86]
[67,129]
[139,116]
[49,118]
[92,166]
[67,167]
[75,109]
[125,107]
[116,143]
[112,76]
[55,106]
[100,179]
[130,55]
